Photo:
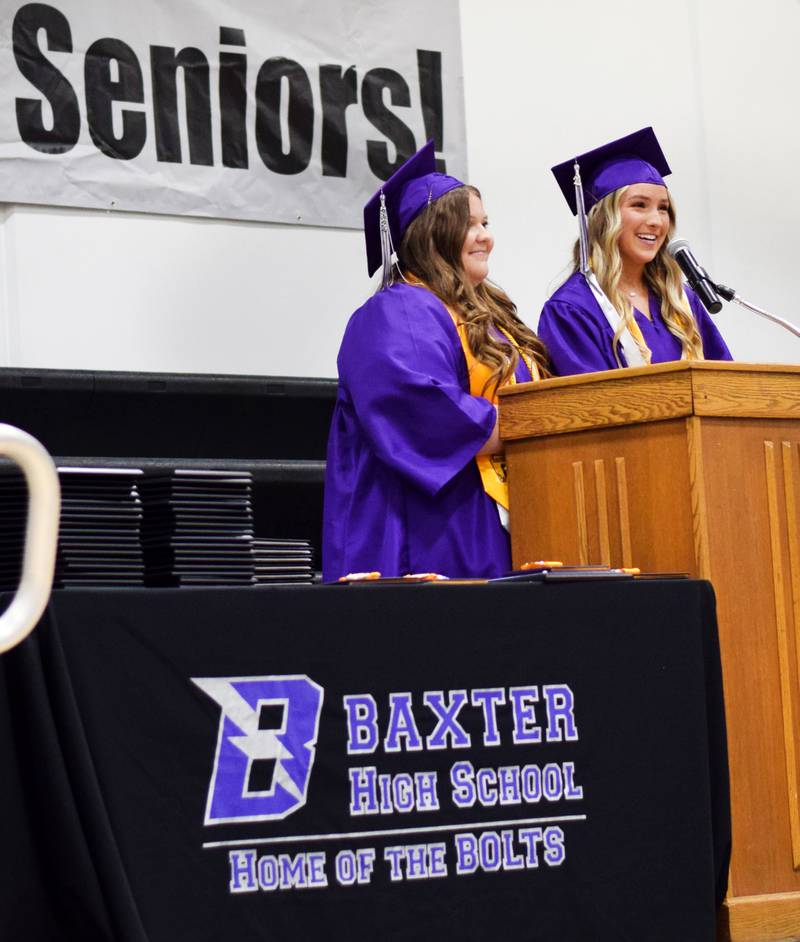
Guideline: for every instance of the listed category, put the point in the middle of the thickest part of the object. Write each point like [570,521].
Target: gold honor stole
[493,468]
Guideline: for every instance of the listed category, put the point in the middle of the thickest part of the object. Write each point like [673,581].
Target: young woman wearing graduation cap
[414,481]
[625,303]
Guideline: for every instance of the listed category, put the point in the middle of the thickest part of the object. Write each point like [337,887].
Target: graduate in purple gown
[625,303]
[413,482]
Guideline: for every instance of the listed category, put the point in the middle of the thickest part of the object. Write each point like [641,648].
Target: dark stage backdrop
[535,762]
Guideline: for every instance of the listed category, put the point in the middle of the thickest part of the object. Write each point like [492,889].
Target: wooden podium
[691,467]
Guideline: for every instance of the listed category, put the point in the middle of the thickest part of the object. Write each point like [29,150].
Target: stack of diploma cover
[99,542]
[101,525]
[127,527]
[198,528]
[282,562]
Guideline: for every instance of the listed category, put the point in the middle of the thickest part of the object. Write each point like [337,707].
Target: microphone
[696,275]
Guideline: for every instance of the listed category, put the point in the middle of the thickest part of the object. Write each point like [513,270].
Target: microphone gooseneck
[730,295]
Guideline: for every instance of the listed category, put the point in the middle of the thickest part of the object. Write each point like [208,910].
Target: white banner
[289,111]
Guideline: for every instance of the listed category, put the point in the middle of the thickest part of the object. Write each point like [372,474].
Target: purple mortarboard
[398,202]
[637,158]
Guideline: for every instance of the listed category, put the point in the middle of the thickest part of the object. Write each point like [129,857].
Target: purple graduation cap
[637,158]
[399,201]
[586,179]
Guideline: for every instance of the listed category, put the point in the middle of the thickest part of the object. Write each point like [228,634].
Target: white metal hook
[41,534]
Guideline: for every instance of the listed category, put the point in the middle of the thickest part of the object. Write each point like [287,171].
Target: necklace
[630,292]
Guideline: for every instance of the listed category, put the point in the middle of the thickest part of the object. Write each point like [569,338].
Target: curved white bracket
[41,534]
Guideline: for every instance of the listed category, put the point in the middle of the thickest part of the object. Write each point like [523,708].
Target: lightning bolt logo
[242,743]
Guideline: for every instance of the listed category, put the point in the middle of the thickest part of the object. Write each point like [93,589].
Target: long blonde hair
[662,275]
[431,251]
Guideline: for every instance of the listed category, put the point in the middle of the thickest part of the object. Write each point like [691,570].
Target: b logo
[265,747]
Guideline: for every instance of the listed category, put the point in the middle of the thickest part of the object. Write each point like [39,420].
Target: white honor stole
[633,355]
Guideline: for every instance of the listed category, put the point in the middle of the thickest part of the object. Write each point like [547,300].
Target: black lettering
[230,36]
[372,88]
[233,108]
[338,90]
[42,74]
[112,73]
[268,116]
[429,67]
[164,65]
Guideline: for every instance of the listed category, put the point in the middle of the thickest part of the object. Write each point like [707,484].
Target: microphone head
[676,245]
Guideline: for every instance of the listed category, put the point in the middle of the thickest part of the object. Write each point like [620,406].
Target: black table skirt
[135,808]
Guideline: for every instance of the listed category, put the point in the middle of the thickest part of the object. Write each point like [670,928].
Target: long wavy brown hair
[431,252]
[662,275]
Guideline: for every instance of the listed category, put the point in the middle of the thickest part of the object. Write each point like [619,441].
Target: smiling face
[645,214]
[478,243]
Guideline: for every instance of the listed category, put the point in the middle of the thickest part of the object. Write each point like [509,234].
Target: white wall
[718,79]
[90,290]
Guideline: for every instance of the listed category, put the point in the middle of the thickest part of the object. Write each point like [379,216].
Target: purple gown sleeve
[714,347]
[403,368]
[574,339]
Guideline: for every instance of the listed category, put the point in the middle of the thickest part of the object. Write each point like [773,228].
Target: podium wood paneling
[691,468]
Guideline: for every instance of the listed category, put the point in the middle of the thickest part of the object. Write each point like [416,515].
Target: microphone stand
[730,295]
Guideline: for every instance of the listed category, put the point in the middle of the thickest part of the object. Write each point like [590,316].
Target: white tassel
[387,248]
[583,228]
